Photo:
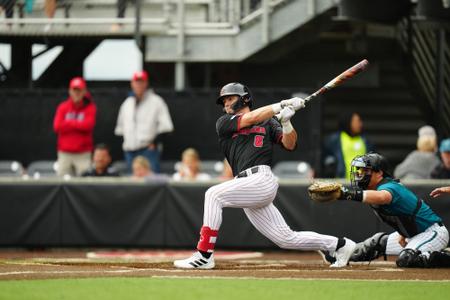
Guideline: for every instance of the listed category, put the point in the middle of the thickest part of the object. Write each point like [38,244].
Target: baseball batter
[247,139]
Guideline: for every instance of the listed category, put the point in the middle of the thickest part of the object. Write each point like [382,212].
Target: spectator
[8,7]
[50,9]
[101,163]
[342,146]
[121,9]
[143,118]
[29,6]
[142,169]
[442,170]
[74,125]
[190,167]
[419,163]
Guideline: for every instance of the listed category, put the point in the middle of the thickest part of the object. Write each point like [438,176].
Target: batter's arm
[257,116]
[289,140]
[266,112]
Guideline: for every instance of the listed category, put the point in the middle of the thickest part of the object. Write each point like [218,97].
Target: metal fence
[85,17]
[429,55]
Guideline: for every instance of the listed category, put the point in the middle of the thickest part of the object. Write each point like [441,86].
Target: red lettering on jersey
[259,141]
[247,131]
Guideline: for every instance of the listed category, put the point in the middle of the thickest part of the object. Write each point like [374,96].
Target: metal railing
[429,55]
[101,16]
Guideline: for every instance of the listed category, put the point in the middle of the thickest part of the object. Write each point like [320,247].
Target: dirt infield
[76,264]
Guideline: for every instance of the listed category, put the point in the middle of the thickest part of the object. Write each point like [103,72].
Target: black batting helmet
[373,161]
[238,89]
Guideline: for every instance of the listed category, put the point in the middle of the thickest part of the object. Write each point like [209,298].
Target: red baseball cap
[140,75]
[77,83]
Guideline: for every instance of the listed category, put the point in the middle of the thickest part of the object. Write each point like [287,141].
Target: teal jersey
[405,203]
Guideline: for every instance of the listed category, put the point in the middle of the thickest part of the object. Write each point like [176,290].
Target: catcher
[419,237]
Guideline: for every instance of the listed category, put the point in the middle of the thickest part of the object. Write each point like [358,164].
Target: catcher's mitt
[321,191]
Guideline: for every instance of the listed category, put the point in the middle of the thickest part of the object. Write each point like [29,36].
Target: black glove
[353,193]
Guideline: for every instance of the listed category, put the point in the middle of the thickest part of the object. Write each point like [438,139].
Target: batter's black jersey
[249,146]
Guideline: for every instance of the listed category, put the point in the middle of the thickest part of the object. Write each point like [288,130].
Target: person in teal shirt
[419,234]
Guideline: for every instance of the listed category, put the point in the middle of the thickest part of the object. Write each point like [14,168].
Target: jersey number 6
[259,140]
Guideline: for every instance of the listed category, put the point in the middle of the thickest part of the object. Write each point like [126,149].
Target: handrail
[429,55]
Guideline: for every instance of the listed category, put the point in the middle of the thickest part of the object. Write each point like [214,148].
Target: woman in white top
[190,167]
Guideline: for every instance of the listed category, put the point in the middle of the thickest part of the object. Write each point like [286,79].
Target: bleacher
[236,32]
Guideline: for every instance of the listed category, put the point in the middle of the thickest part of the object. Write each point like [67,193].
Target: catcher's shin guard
[371,248]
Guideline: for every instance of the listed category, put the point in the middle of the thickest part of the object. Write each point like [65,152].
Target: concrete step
[385,127]
[358,95]
[374,110]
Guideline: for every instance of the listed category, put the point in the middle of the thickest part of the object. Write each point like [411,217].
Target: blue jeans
[151,155]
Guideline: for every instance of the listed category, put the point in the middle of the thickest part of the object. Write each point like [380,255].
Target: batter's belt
[253,170]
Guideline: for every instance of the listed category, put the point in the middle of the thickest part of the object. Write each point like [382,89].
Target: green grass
[217,289]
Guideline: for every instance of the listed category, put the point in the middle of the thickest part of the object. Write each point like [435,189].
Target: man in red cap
[74,124]
[143,118]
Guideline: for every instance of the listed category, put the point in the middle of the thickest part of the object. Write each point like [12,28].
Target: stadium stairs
[390,112]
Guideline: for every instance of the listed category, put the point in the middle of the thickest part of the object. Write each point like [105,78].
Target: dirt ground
[60,263]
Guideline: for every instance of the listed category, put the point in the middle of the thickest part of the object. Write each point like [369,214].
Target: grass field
[208,288]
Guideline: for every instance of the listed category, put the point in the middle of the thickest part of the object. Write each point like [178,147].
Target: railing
[429,56]
[116,17]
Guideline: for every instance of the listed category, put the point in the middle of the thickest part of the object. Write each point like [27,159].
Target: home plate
[135,254]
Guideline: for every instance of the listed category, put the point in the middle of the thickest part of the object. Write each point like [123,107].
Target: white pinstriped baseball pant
[435,238]
[255,194]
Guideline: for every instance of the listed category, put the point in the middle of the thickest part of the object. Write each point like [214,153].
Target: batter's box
[169,255]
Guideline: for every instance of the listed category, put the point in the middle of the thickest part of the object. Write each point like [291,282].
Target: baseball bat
[338,80]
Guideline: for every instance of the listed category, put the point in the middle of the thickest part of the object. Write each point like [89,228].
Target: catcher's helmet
[371,161]
[238,89]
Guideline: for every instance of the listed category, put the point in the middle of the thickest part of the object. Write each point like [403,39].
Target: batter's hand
[296,102]
[439,191]
[286,114]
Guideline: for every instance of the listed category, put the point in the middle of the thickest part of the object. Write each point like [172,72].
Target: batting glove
[296,102]
[284,117]
[286,114]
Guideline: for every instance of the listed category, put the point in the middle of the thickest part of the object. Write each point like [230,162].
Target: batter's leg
[269,221]
[254,191]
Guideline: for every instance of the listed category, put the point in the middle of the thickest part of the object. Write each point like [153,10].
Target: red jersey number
[259,141]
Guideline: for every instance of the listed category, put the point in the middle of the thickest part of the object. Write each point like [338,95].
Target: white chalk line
[140,270]
[215,277]
[299,279]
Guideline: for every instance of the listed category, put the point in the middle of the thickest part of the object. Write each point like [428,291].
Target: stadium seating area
[214,168]
[268,40]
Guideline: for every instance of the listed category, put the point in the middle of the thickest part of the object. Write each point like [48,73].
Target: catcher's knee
[411,258]
[371,248]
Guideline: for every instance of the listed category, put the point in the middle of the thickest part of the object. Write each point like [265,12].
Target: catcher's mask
[363,166]
[238,89]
